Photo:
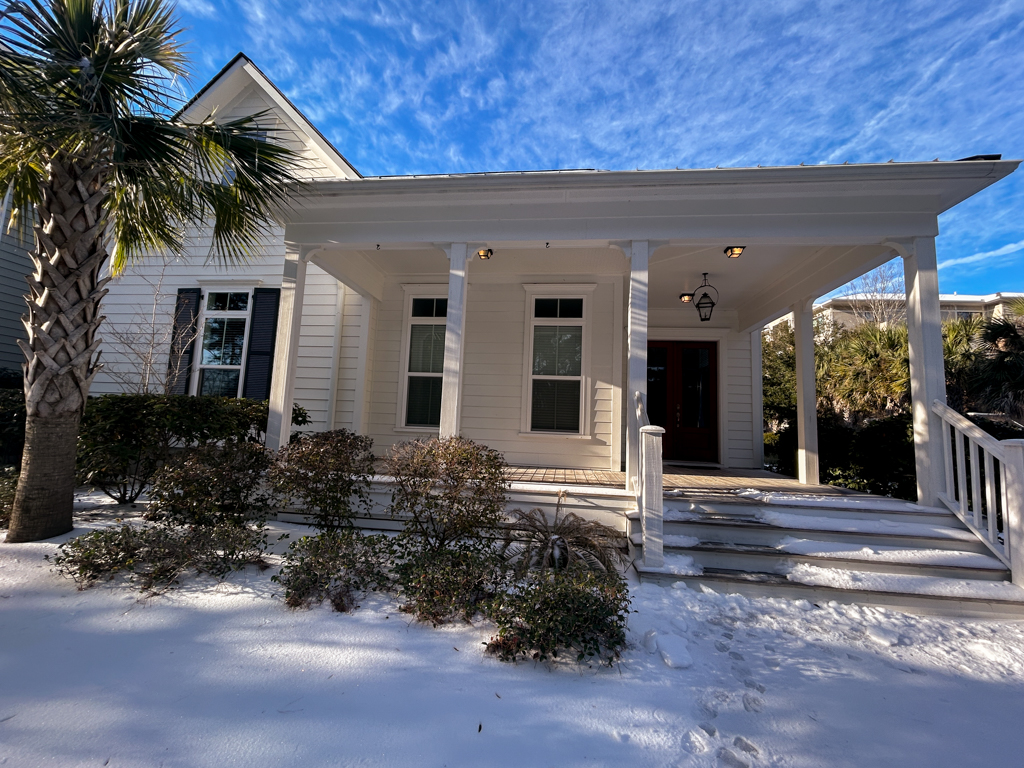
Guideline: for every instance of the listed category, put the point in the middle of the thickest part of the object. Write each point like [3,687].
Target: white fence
[649,491]
[985,486]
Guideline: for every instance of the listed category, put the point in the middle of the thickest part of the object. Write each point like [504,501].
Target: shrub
[12,426]
[444,584]
[328,472]
[533,542]
[8,487]
[212,485]
[155,556]
[124,439]
[580,611]
[449,489]
[335,565]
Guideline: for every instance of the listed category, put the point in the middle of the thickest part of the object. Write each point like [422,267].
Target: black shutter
[259,363]
[179,362]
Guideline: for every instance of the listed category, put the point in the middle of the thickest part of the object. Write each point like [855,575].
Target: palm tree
[1000,379]
[92,146]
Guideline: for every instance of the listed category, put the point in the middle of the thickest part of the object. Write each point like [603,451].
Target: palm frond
[533,542]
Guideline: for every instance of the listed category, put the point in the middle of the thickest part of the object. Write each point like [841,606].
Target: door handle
[678,413]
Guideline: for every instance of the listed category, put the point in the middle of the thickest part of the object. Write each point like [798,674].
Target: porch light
[705,304]
[686,298]
[485,253]
[734,251]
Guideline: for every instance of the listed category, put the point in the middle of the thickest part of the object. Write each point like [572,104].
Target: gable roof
[228,79]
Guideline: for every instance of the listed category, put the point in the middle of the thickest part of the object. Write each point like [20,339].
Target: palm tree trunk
[60,354]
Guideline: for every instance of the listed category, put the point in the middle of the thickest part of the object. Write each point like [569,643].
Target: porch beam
[927,366]
[286,346]
[636,376]
[806,393]
[454,339]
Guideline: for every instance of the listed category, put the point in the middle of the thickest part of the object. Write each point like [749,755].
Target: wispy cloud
[987,256]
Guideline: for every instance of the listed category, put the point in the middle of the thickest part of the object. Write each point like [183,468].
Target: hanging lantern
[705,304]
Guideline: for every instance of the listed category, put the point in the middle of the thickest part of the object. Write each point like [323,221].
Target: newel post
[652,497]
[1013,464]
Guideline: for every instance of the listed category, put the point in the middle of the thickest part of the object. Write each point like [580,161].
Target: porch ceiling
[807,229]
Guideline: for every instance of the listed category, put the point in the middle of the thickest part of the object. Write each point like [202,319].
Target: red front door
[682,397]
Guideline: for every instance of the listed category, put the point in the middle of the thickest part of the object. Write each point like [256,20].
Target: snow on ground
[222,674]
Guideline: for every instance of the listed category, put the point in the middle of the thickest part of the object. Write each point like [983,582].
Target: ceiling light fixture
[485,253]
[734,251]
[686,298]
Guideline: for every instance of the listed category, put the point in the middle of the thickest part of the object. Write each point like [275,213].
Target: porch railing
[985,486]
[649,491]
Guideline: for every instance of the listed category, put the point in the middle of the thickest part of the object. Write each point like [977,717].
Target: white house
[532,311]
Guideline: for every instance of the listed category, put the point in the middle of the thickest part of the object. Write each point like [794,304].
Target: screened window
[225,324]
[556,375]
[426,362]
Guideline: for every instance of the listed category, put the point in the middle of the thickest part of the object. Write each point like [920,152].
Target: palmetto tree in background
[92,147]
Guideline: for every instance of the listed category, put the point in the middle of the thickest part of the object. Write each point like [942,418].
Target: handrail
[968,428]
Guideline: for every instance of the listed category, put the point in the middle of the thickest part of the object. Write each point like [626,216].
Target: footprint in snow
[746,746]
[737,656]
[730,759]
[721,647]
[695,742]
[755,685]
[772,663]
[752,703]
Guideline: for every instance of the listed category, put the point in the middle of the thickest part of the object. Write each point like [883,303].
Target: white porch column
[454,340]
[636,376]
[286,347]
[806,393]
[927,368]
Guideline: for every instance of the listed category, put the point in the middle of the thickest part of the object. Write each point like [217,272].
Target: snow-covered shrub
[212,485]
[447,489]
[156,555]
[328,472]
[8,487]
[579,611]
[124,439]
[533,542]
[450,583]
[335,565]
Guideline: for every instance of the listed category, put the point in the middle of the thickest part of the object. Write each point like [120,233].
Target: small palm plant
[1000,379]
[533,542]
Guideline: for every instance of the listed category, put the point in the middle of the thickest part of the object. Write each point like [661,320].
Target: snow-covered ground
[222,674]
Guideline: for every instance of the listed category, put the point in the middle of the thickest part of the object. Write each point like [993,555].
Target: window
[424,364]
[556,364]
[225,322]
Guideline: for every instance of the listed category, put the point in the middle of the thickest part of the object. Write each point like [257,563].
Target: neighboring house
[14,266]
[854,309]
[530,311]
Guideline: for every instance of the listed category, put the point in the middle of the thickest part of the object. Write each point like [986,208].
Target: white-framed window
[223,339]
[556,376]
[422,358]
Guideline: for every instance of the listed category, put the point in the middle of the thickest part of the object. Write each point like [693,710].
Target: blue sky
[413,86]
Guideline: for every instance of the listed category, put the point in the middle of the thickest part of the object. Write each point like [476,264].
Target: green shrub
[579,611]
[448,489]
[157,555]
[335,565]
[328,472]
[532,542]
[124,439]
[8,487]
[212,485]
[450,583]
[12,426]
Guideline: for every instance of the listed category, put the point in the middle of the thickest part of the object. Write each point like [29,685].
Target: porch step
[952,564]
[966,598]
[675,509]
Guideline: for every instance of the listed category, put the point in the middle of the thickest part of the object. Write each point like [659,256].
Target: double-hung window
[225,322]
[424,363]
[557,364]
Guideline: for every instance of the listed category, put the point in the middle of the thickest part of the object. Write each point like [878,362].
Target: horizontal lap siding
[14,266]
[316,346]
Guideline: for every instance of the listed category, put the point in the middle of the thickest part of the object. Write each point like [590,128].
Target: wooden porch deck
[678,478]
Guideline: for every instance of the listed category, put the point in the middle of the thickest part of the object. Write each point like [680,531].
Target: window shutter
[183,340]
[259,362]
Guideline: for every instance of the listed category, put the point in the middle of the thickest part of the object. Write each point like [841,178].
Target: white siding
[739,443]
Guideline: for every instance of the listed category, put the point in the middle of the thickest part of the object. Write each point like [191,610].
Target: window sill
[418,430]
[557,435]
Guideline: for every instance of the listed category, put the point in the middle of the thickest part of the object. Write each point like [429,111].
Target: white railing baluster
[650,495]
[975,483]
[990,497]
[999,489]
